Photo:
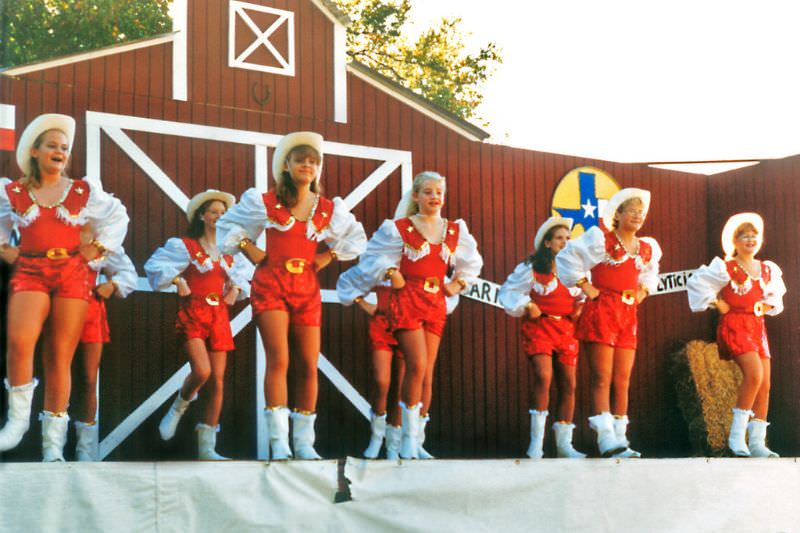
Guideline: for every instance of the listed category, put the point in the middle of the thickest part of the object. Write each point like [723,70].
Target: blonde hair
[35,177]
[419,180]
[744,227]
[623,206]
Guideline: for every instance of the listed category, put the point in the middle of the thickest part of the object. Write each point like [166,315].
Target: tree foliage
[34,30]
[437,65]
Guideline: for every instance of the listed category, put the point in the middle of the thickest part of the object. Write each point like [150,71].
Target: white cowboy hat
[291,140]
[619,198]
[734,222]
[39,125]
[203,197]
[549,223]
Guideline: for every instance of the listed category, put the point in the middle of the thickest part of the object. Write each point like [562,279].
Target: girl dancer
[50,283]
[414,254]
[743,289]
[547,307]
[207,282]
[623,269]
[286,295]
[119,279]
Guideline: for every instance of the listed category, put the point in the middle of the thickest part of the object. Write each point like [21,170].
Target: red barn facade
[164,118]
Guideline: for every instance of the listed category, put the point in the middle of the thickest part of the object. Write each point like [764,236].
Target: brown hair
[35,176]
[197,227]
[286,190]
[542,258]
[744,227]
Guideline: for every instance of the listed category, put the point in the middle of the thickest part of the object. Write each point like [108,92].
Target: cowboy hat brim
[39,125]
[544,228]
[290,141]
[203,197]
[621,197]
[730,229]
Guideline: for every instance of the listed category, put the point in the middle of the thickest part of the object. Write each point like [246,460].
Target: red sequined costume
[742,329]
[598,254]
[117,268]
[552,333]
[50,236]
[203,314]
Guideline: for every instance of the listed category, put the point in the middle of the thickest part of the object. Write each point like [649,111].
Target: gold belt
[431,285]
[758,309]
[628,297]
[296,265]
[54,254]
[554,317]
[212,299]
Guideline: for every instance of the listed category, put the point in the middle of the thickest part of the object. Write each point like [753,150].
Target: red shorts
[380,335]
[65,278]
[739,333]
[608,320]
[413,308]
[551,336]
[199,320]
[276,289]
[95,328]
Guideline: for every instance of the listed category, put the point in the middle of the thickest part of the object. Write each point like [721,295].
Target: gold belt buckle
[54,254]
[295,266]
[431,285]
[629,297]
[758,308]
[554,317]
[212,299]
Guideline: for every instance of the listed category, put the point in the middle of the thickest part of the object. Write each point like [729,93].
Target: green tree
[34,30]
[437,65]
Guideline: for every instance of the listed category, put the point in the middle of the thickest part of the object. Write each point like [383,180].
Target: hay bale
[706,388]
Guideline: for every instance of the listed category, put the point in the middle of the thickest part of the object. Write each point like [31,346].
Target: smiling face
[51,152]
[558,240]
[213,210]
[746,240]
[303,165]
[630,215]
[429,197]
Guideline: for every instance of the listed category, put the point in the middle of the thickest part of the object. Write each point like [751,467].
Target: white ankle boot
[620,429]
[206,442]
[394,435]
[278,431]
[170,421]
[564,449]
[303,436]
[756,439]
[409,447]
[54,436]
[538,419]
[736,441]
[378,431]
[19,414]
[422,452]
[88,445]
[607,441]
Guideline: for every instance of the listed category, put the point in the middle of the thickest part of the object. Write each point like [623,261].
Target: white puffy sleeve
[515,292]
[775,289]
[468,261]
[580,255]
[384,251]
[119,269]
[246,219]
[705,283]
[648,276]
[107,217]
[240,274]
[166,263]
[6,220]
[353,283]
[345,235]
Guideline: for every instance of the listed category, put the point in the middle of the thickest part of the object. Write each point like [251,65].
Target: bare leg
[623,366]
[66,323]
[216,387]
[274,329]
[601,361]
[566,377]
[27,312]
[415,350]
[542,366]
[752,378]
[761,404]
[92,353]
[395,416]
[306,341]
[200,365]
[381,377]
[432,342]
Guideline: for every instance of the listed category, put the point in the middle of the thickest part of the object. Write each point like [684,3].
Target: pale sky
[639,80]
